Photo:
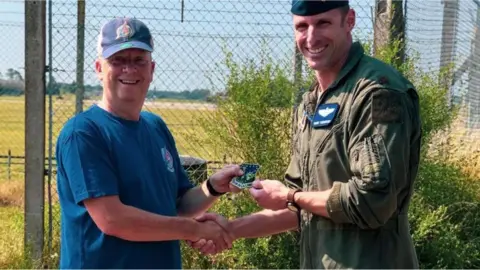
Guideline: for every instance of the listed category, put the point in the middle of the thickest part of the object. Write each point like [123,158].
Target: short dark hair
[344,11]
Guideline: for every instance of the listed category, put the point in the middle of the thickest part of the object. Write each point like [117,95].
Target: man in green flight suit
[356,150]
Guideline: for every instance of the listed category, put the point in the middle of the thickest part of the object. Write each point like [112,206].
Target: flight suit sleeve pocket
[370,163]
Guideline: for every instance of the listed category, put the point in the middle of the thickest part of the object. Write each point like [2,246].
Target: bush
[252,124]
[444,214]
[252,120]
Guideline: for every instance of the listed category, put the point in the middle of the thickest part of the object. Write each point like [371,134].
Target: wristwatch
[291,204]
[212,191]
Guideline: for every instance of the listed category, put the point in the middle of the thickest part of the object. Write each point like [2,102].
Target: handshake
[216,234]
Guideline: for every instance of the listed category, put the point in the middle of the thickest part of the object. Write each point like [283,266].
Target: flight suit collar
[354,55]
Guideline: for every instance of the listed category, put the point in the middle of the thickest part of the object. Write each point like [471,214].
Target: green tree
[13,74]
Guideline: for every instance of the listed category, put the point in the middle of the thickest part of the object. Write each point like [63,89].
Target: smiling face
[126,76]
[324,39]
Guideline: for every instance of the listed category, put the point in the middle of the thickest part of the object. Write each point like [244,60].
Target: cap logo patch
[124,31]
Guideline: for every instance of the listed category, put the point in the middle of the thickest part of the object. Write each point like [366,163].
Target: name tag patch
[325,115]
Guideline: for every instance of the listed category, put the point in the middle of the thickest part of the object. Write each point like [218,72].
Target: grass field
[181,117]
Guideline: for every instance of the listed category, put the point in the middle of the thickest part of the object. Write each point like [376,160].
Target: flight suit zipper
[320,100]
[308,249]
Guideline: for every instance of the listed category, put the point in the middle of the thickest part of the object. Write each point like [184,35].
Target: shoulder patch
[387,107]
[373,164]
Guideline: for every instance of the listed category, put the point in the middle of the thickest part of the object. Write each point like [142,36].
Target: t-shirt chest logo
[167,158]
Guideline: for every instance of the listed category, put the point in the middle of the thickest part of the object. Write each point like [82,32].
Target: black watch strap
[212,190]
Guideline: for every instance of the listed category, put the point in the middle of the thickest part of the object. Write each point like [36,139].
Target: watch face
[292,207]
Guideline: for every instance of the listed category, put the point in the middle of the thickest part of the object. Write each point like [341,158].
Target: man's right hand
[216,242]
[270,194]
[213,236]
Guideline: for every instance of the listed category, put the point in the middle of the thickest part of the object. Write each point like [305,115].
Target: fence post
[9,164]
[35,47]
[447,50]
[297,74]
[473,92]
[80,91]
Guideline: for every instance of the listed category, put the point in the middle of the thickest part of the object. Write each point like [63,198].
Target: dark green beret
[313,7]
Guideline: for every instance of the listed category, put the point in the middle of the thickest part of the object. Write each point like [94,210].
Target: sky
[189,52]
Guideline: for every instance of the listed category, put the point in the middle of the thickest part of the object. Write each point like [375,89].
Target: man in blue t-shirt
[125,198]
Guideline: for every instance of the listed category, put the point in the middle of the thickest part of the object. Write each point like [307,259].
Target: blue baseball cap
[124,33]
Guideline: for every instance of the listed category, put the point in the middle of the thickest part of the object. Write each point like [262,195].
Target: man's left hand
[270,194]
[221,179]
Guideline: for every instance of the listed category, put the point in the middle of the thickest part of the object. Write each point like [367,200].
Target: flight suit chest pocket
[322,138]
[330,162]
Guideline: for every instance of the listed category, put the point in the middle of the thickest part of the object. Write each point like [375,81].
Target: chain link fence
[12,123]
[446,35]
[192,40]
[11,90]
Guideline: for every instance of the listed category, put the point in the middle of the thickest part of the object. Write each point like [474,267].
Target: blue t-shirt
[99,154]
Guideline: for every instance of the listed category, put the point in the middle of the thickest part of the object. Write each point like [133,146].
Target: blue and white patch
[168,159]
[325,115]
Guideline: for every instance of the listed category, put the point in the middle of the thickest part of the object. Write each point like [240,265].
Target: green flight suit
[369,155]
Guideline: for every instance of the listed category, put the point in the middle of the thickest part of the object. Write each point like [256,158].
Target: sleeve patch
[374,165]
[386,107]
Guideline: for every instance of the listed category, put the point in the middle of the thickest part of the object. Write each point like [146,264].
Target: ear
[153,70]
[350,19]
[98,68]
